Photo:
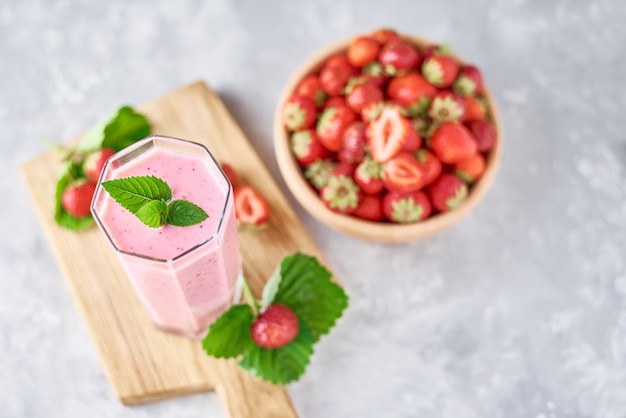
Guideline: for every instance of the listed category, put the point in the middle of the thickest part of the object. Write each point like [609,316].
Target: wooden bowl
[372,231]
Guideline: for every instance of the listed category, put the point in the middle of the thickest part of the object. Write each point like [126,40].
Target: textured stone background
[519,311]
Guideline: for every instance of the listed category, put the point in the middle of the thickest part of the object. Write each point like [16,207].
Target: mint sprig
[300,283]
[147,198]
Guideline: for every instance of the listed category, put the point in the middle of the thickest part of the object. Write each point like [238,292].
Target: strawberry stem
[247,294]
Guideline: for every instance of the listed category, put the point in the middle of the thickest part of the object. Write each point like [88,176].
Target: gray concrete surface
[519,311]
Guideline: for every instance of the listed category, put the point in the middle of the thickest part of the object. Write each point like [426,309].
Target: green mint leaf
[61,216]
[306,288]
[123,128]
[184,213]
[134,192]
[229,336]
[153,213]
[270,289]
[282,365]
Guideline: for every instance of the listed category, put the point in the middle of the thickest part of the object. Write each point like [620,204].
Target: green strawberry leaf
[153,213]
[61,216]
[184,213]
[122,129]
[134,192]
[229,336]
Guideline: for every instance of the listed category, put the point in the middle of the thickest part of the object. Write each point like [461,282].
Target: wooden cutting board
[141,363]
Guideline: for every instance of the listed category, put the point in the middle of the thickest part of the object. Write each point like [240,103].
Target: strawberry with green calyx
[307,147]
[311,87]
[387,134]
[331,124]
[448,192]
[446,107]
[319,172]
[362,95]
[368,176]
[353,143]
[299,113]
[385,35]
[469,81]
[440,70]
[335,74]
[92,166]
[76,199]
[230,174]
[362,51]
[403,207]
[344,169]
[403,174]
[412,91]
[430,165]
[475,109]
[420,123]
[372,111]
[374,73]
[261,333]
[471,169]
[370,208]
[453,142]
[398,57]
[341,194]
[484,133]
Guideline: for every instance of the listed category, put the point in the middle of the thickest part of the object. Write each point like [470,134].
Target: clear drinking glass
[185,276]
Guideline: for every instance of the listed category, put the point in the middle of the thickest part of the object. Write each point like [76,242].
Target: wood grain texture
[372,231]
[142,363]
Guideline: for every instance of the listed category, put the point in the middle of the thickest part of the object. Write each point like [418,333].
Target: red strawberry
[398,57]
[318,172]
[331,124]
[375,74]
[231,174]
[448,192]
[311,87]
[469,82]
[411,91]
[368,176]
[471,169]
[344,169]
[95,161]
[475,109]
[299,113]
[406,207]
[382,36]
[362,51]
[452,143]
[335,75]
[413,140]
[307,147]
[353,143]
[275,327]
[341,194]
[387,134]
[370,208]
[251,208]
[446,107]
[440,70]
[335,101]
[372,111]
[362,95]
[403,174]
[76,198]
[430,165]
[484,134]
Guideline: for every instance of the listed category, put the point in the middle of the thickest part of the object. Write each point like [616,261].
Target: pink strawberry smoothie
[185,276]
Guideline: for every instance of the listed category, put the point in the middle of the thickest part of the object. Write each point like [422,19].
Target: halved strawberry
[403,173]
[384,35]
[230,173]
[311,87]
[446,107]
[406,207]
[362,95]
[307,147]
[452,143]
[335,74]
[251,208]
[440,70]
[448,192]
[413,139]
[475,109]
[368,176]
[430,165]
[275,327]
[331,124]
[387,134]
[469,81]
[319,172]
[299,113]
[370,208]
[411,91]
[341,194]
[398,57]
[484,134]
[92,166]
[471,169]
[353,143]
[76,198]
[362,51]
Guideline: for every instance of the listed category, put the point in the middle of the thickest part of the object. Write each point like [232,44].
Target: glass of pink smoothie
[185,276]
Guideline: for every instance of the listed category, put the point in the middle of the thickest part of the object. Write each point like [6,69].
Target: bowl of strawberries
[387,137]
